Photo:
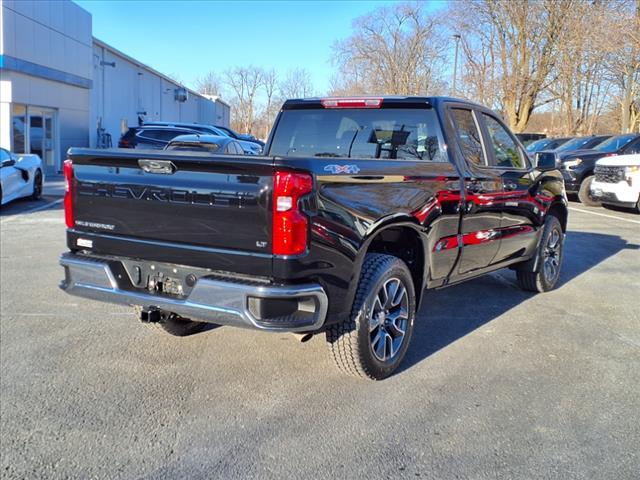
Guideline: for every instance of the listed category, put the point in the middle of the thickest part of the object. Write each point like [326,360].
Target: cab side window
[468,136]
[634,147]
[505,149]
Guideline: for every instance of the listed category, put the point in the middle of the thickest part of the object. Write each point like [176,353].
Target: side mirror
[8,163]
[546,161]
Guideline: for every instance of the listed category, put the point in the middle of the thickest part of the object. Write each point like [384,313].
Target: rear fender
[375,232]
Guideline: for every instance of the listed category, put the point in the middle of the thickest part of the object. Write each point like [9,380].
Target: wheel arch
[402,238]
[559,210]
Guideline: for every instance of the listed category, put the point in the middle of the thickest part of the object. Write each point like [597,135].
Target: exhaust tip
[302,337]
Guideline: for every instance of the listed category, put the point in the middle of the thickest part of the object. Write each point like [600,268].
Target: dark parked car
[581,143]
[240,136]
[205,143]
[358,206]
[578,166]
[573,145]
[151,137]
[249,146]
[527,138]
[546,144]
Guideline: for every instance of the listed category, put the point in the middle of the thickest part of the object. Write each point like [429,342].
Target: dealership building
[60,87]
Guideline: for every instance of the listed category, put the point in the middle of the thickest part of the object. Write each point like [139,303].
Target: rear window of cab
[404,134]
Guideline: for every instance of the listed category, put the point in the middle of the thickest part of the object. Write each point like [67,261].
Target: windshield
[538,145]
[615,143]
[574,144]
[386,133]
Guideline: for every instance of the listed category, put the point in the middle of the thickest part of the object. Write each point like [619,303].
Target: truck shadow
[451,313]
[26,206]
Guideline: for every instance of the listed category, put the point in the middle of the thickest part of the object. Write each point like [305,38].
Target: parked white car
[20,176]
[617,181]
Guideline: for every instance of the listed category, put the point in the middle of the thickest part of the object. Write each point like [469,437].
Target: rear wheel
[37,185]
[173,324]
[372,342]
[547,274]
[584,194]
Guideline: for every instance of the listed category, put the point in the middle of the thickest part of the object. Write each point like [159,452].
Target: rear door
[481,219]
[517,205]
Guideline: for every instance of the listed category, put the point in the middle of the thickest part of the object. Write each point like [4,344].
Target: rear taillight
[68,194]
[290,225]
[124,143]
[351,102]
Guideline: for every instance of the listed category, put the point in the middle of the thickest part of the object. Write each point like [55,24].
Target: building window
[34,131]
[19,122]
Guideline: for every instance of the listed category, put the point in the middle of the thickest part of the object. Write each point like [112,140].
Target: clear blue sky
[190,38]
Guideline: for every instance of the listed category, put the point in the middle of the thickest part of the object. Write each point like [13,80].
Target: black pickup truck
[358,206]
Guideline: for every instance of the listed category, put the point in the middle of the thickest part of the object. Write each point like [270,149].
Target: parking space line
[604,215]
[37,209]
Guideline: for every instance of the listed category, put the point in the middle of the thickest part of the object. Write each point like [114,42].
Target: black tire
[37,186]
[637,205]
[546,275]
[173,324]
[352,344]
[584,194]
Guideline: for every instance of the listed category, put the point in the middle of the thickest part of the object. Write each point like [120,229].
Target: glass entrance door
[42,136]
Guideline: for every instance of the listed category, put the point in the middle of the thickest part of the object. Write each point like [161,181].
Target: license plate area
[161,283]
[163,279]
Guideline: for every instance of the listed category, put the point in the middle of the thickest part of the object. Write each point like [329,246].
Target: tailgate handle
[165,167]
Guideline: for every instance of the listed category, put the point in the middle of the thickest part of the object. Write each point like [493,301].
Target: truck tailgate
[188,208]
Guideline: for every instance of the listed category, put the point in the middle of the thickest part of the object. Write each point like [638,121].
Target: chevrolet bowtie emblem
[157,166]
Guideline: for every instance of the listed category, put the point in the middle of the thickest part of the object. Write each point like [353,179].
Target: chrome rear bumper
[211,300]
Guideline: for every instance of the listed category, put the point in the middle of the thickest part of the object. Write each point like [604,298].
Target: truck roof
[386,100]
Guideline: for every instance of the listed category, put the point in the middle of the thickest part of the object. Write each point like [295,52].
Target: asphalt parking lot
[498,383]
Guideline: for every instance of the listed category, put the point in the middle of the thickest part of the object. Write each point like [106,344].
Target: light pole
[456,38]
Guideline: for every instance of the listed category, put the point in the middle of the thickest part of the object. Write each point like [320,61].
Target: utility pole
[456,38]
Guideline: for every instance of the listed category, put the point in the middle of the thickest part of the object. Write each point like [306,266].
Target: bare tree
[245,83]
[296,84]
[624,63]
[519,42]
[270,84]
[581,84]
[394,50]
[209,84]
[479,79]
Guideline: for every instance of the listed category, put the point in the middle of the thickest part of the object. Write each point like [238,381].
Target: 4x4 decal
[335,169]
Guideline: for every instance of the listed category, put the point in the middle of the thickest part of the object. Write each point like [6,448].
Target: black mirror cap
[546,161]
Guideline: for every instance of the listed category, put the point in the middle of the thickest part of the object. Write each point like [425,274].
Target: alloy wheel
[551,255]
[388,319]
